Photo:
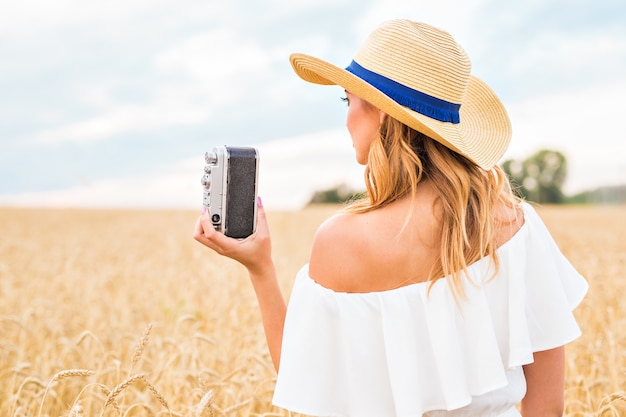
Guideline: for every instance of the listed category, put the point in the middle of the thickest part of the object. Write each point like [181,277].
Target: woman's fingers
[262,228]
[206,234]
[254,252]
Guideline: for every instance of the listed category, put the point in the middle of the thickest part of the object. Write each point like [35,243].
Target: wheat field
[122,313]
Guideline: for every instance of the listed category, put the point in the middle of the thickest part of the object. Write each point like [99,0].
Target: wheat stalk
[609,408]
[607,403]
[184,318]
[205,405]
[111,398]
[140,347]
[614,397]
[67,373]
[206,338]
[26,381]
[156,393]
[113,402]
[76,410]
[119,388]
[234,407]
[88,333]
[13,319]
[229,375]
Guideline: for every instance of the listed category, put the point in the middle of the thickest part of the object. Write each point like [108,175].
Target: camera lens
[215,218]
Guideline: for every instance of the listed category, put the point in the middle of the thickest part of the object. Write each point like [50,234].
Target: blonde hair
[400,157]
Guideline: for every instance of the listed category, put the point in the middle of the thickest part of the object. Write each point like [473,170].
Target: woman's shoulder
[336,230]
[384,249]
[336,246]
[372,251]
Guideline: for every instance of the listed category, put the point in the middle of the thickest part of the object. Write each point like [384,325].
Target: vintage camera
[230,189]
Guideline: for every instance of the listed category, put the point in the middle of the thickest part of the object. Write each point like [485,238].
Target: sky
[113,104]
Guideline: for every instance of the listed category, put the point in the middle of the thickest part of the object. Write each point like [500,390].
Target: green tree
[540,177]
[338,194]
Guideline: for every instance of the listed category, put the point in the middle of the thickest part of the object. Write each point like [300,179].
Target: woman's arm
[273,310]
[255,253]
[545,381]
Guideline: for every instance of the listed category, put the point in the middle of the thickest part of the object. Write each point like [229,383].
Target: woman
[439,293]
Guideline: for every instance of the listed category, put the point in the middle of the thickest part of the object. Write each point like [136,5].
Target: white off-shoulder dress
[409,353]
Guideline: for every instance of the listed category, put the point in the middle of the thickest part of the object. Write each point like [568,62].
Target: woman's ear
[382,116]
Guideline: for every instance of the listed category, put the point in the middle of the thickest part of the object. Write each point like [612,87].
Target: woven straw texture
[428,60]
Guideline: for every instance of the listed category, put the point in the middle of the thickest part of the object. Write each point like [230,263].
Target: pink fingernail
[259,203]
[203,209]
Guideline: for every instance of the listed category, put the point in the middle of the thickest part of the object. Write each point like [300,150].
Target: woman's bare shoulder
[375,251]
[335,251]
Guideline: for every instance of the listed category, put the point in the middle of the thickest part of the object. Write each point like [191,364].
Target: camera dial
[210,158]
[206,180]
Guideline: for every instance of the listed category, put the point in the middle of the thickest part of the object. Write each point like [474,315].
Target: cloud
[124,119]
[36,17]
[552,60]
[291,170]
[525,49]
[584,124]
[215,56]
[174,186]
[450,15]
[212,70]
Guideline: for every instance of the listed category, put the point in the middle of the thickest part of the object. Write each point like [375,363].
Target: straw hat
[420,76]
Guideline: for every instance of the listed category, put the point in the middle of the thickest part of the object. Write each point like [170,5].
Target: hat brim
[482,135]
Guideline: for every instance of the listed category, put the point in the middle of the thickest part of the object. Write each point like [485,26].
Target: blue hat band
[422,103]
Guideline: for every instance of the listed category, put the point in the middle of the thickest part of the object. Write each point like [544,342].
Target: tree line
[538,178]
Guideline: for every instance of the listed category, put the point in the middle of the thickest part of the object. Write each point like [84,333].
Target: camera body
[230,189]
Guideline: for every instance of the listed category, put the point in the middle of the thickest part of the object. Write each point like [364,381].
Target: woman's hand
[253,252]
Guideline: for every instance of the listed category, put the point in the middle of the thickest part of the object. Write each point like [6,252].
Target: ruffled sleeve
[407,351]
[543,290]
